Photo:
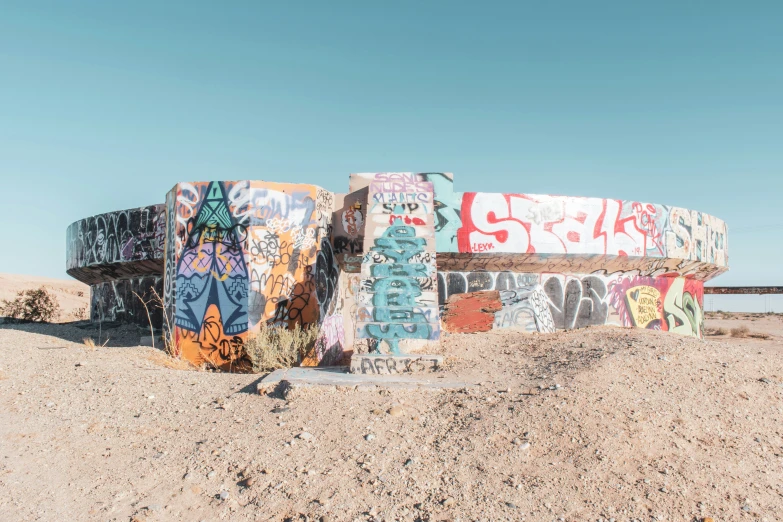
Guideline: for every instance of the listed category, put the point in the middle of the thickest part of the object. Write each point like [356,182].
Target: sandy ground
[642,425]
[73,296]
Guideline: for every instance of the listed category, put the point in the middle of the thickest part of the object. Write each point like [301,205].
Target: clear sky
[106,105]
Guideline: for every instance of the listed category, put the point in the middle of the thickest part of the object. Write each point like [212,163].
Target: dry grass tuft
[717,331]
[173,363]
[170,345]
[740,331]
[275,347]
[89,342]
[760,336]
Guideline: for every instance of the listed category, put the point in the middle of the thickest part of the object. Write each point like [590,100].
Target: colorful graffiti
[119,254]
[543,302]
[672,304]
[349,217]
[211,311]
[374,269]
[247,255]
[116,245]
[529,224]
[399,287]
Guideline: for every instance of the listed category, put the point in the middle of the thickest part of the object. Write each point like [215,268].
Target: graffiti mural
[245,255]
[543,302]
[672,304]
[121,300]
[525,308]
[349,222]
[285,234]
[577,302]
[530,224]
[399,288]
[211,312]
[373,269]
[116,245]
[525,305]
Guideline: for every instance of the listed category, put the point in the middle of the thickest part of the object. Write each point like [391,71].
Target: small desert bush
[717,331]
[38,305]
[740,331]
[759,335]
[275,347]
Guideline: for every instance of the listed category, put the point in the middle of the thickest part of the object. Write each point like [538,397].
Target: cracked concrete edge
[287,380]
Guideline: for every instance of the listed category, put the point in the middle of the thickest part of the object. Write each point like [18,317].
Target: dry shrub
[38,305]
[80,314]
[759,335]
[275,347]
[169,340]
[717,331]
[740,331]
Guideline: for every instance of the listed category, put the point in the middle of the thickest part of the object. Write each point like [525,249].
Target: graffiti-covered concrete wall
[398,296]
[120,255]
[393,264]
[242,254]
[546,302]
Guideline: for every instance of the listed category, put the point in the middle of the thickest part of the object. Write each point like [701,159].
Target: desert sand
[73,296]
[595,424]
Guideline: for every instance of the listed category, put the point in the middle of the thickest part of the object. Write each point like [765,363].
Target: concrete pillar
[398,297]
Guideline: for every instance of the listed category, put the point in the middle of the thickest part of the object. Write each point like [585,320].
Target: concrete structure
[290,380]
[117,254]
[395,263]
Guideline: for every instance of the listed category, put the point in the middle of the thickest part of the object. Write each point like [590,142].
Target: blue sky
[106,105]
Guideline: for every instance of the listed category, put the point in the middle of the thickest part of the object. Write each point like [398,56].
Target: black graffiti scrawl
[581,303]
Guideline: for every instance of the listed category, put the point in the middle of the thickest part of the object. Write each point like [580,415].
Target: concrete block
[290,380]
[386,364]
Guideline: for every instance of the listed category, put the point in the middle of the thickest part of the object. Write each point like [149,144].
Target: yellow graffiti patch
[642,302]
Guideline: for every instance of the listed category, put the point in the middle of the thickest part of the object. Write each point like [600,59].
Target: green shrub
[32,305]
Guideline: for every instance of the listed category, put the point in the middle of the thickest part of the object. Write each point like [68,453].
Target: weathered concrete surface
[386,364]
[338,377]
[123,300]
[472,312]
[116,245]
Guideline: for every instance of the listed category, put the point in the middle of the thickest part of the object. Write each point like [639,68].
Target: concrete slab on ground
[339,377]
[385,364]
